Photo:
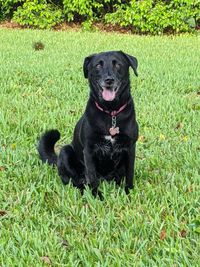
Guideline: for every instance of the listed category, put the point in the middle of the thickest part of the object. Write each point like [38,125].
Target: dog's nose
[109,80]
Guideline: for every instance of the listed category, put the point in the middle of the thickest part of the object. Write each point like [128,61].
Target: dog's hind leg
[69,167]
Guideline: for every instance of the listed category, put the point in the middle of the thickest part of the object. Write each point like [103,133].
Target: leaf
[2,168]
[183,233]
[2,213]
[196,107]
[46,260]
[190,189]
[184,138]
[65,243]
[162,137]
[179,126]
[141,138]
[162,234]
[73,112]
[13,146]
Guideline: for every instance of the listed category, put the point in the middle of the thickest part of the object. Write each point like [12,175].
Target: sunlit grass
[43,222]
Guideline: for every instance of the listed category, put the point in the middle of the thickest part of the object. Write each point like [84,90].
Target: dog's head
[108,74]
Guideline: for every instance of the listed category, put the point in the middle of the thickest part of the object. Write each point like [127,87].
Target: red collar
[112,113]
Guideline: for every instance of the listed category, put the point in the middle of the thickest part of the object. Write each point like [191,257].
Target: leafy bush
[149,16]
[87,10]
[7,7]
[38,14]
[152,16]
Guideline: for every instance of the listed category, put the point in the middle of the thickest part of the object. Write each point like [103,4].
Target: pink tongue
[108,95]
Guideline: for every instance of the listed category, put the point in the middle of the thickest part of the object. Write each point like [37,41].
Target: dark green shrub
[87,10]
[38,14]
[7,7]
[152,16]
[142,16]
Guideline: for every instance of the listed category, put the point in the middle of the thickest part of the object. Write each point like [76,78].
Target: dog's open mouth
[108,94]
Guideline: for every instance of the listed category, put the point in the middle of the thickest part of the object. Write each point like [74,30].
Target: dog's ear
[133,63]
[86,63]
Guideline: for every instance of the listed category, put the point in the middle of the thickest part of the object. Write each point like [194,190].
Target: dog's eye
[117,66]
[98,66]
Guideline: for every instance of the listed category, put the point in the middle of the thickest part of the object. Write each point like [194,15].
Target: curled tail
[46,146]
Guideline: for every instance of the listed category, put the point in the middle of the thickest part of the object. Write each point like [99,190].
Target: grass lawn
[43,222]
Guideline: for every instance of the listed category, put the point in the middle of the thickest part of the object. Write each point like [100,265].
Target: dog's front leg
[90,171]
[129,181]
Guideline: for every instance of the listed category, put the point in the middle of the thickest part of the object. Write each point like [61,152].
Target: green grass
[159,224]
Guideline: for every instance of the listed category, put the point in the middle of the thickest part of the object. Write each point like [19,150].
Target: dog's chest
[109,146]
[110,139]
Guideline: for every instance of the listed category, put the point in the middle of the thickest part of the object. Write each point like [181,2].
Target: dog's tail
[46,146]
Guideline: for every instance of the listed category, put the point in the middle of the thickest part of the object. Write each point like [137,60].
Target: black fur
[46,146]
[91,156]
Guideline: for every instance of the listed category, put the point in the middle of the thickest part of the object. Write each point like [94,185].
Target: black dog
[104,139]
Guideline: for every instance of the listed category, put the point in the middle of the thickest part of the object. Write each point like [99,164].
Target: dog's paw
[65,180]
[128,188]
[96,192]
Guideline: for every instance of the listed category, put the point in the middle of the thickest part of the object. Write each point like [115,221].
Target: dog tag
[114,131]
